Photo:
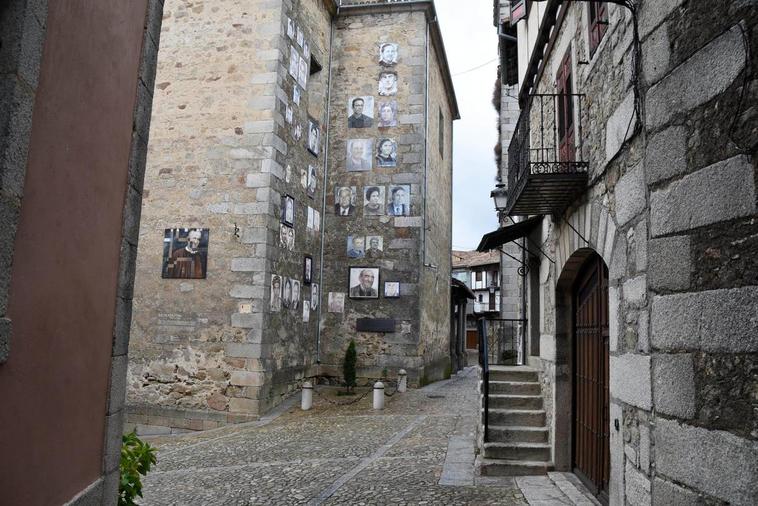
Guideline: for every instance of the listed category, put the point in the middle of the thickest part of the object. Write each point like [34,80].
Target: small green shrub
[348,367]
[136,459]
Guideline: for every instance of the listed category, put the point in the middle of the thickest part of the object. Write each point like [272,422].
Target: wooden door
[565,110]
[472,340]
[591,410]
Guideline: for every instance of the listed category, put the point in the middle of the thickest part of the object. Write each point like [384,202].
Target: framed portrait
[314,296]
[399,200]
[373,201]
[364,282]
[388,53]
[288,210]
[316,220]
[388,83]
[386,153]
[286,237]
[288,173]
[387,114]
[290,28]
[336,302]
[360,112]
[306,50]
[304,178]
[306,311]
[295,303]
[314,136]
[309,222]
[300,37]
[288,114]
[290,238]
[307,270]
[297,131]
[296,97]
[294,62]
[356,246]
[185,253]
[344,200]
[276,293]
[359,155]
[391,289]
[302,72]
[286,293]
[374,246]
[312,181]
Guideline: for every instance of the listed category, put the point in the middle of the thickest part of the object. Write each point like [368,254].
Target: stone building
[299,147]
[634,159]
[481,274]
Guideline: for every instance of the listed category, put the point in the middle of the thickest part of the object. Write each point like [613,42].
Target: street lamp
[500,196]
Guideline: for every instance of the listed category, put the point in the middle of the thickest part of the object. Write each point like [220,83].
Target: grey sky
[471,40]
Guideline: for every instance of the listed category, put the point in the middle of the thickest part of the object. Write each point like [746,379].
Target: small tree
[348,367]
[136,459]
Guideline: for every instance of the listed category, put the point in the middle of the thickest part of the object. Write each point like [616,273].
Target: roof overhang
[459,288]
[497,238]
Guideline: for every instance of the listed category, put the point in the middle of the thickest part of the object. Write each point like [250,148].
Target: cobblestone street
[418,450]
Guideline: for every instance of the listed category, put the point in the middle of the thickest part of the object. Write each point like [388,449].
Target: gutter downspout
[426,139]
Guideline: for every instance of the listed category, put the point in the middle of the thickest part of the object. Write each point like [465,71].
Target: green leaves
[136,459]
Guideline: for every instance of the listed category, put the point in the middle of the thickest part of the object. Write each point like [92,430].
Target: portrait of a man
[307,269]
[185,253]
[388,53]
[283,235]
[361,112]
[399,201]
[336,303]
[374,200]
[364,283]
[359,154]
[287,293]
[314,136]
[388,84]
[295,303]
[387,114]
[392,289]
[288,210]
[306,311]
[375,246]
[290,238]
[302,72]
[316,220]
[294,62]
[356,246]
[290,28]
[312,181]
[344,198]
[276,293]
[386,153]
[314,296]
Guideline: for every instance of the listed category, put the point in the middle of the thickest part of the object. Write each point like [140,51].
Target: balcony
[546,168]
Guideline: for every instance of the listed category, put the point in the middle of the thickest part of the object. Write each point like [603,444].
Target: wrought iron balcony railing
[546,168]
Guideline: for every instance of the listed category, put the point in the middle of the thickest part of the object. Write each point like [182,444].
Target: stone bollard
[402,381]
[307,396]
[378,395]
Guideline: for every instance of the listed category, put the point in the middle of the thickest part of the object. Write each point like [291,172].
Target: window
[565,111]
[442,134]
[598,21]
[478,275]
[481,298]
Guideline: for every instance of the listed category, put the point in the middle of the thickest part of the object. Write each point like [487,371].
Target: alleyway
[419,450]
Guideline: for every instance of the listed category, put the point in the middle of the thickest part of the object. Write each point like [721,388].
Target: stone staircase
[518,436]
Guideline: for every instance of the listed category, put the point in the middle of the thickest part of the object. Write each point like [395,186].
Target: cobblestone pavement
[418,450]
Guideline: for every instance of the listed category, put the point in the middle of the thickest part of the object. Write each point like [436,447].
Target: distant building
[481,273]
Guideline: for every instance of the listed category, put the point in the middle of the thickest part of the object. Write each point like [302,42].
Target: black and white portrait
[386,153]
[373,201]
[388,84]
[364,282]
[312,181]
[297,131]
[290,238]
[286,237]
[300,37]
[290,28]
[288,210]
[294,62]
[336,303]
[302,72]
[306,311]
[314,296]
[314,136]
[306,50]
[344,200]
[276,292]
[286,293]
[392,289]
[359,154]
[288,114]
[309,221]
[316,220]
[288,173]
[185,253]
[356,246]
[374,246]
[387,112]
[296,96]
[307,269]
[388,53]
[398,200]
[295,303]
[361,112]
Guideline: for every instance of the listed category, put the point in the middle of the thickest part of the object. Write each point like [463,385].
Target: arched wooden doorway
[591,408]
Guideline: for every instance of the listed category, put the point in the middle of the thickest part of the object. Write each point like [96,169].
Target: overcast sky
[470,41]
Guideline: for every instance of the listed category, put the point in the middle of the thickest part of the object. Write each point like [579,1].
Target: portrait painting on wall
[288,210]
[336,302]
[295,303]
[294,62]
[391,289]
[388,53]
[388,84]
[276,293]
[302,72]
[374,246]
[306,311]
[286,237]
[286,293]
[300,37]
[399,200]
[344,200]
[309,221]
[296,97]
[312,181]
[387,112]
[364,282]
[316,220]
[359,154]
[288,114]
[373,201]
[307,270]
[314,136]
[314,296]
[288,173]
[185,253]
[361,112]
[306,50]
[356,246]
[386,153]
[290,28]
[304,178]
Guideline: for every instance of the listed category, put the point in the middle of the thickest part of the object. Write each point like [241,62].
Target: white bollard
[402,381]
[307,396]
[378,395]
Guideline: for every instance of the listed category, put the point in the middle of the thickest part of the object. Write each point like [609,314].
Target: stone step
[515,388]
[517,434]
[514,374]
[537,452]
[520,417]
[499,467]
[502,401]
